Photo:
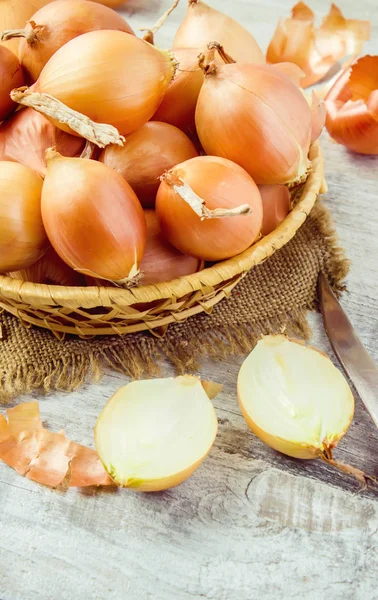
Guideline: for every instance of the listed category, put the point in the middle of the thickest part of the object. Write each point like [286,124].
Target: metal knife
[353,356]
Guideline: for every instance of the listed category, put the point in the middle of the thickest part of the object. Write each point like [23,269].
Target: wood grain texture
[250,523]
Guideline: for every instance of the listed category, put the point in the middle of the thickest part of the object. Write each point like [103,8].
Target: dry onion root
[100,85]
[45,457]
[210,208]
[22,235]
[256,116]
[56,24]
[352,107]
[316,51]
[203,24]
[27,135]
[93,219]
[296,401]
[152,435]
[148,153]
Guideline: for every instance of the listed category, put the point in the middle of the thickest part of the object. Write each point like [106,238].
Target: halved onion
[152,435]
[27,135]
[22,236]
[56,24]
[149,151]
[294,399]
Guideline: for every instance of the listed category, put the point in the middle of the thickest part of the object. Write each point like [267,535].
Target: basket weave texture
[93,311]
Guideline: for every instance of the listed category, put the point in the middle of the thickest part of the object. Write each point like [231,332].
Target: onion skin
[276,206]
[111,3]
[147,154]
[59,22]
[222,184]
[161,262]
[204,24]
[11,76]
[179,103]
[50,269]
[257,117]
[14,14]
[22,235]
[109,76]
[90,233]
[28,134]
[352,107]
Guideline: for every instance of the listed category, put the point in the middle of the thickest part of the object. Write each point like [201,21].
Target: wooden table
[250,524]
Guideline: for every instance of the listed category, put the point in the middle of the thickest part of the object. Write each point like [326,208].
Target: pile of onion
[94,236]
[152,435]
[148,153]
[210,208]
[56,24]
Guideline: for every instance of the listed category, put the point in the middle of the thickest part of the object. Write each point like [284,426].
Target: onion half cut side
[152,435]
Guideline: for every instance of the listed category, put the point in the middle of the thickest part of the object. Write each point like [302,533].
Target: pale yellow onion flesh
[152,435]
[93,219]
[27,135]
[204,24]
[150,151]
[56,24]
[14,14]
[22,235]
[293,398]
[111,77]
[257,117]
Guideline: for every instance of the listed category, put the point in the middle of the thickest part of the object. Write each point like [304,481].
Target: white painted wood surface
[250,523]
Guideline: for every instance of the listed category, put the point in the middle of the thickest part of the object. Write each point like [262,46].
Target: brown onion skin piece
[27,135]
[148,153]
[63,20]
[11,76]
[161,261]
[179,103]
[276,206]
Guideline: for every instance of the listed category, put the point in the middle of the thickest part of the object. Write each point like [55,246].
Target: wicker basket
[92,311]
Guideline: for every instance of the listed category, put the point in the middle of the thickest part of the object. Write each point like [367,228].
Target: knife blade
[353,356]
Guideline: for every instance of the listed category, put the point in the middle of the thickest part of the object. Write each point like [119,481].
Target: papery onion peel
[152,435]
[45,457]
[316,50]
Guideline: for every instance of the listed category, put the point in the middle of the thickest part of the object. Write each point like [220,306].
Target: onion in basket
[276,206]
[294,399]
[149,151]
[152,435]
[27,135]
[203,24]
[93,219]
[11,76]
[22,236]
[56,24]
[256,116]
[209,208]
[99,83]
[49,269]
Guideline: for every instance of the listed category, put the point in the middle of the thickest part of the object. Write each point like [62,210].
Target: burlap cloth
[273,297]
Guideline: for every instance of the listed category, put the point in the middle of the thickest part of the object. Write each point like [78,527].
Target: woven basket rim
[91,297]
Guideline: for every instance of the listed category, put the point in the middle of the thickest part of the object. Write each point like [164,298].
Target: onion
[276,206]
[11,76]
[152,435]
[257,117]
[49,269]
[161,262]
[109,76]
[111,3]
[179,103]
[15,13]
[196,201]
[56,24]
[93,219]
[149,151]
[294,399]
[352,107]
[203,24]
[22,236]
[28,134]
